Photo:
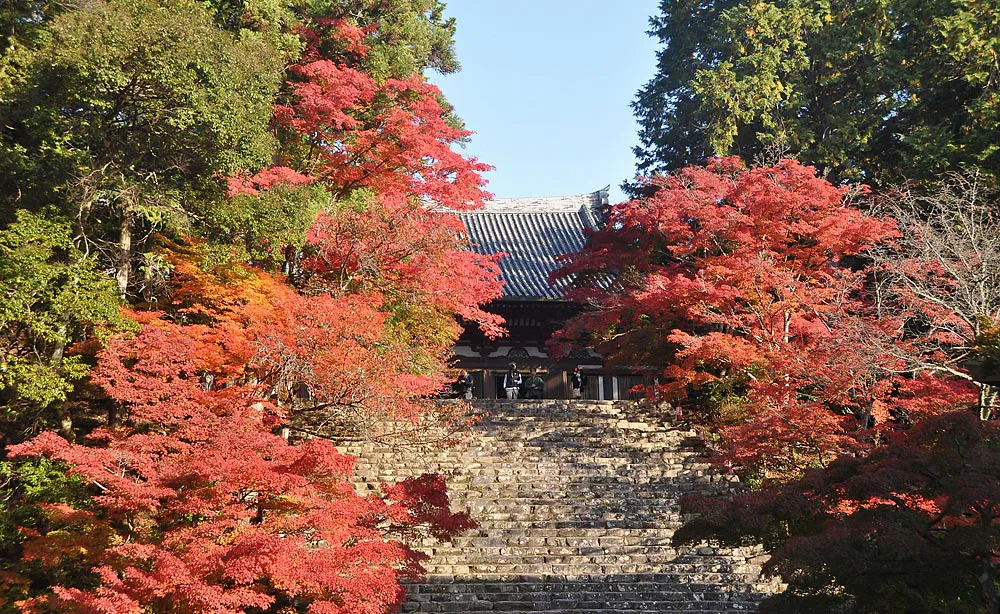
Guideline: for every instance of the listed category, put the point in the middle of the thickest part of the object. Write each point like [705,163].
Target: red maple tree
[352,130]
[409,255]
[200,507]
[343,353]
[743,291]
[914,526]
[383,150]
[197,505]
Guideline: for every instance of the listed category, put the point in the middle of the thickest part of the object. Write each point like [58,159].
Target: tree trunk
[124,263]
[65,417]
[990,598]
[114,414]
[987,398]
[55,359]
[148,281]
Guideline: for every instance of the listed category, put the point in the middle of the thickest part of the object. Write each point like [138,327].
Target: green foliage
[23,21]
[154,89]
[50,296]
[670,116]
[262,227]
[275,18]
[879,90]
[726,400]
[413,36]
[124,114]
[26,488]
[42,480]
[406,36]
[988,343]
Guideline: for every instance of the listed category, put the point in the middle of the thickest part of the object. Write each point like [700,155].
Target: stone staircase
[577,503]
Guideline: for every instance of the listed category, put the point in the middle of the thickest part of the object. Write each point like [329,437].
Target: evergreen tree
[878,91]
[122,114]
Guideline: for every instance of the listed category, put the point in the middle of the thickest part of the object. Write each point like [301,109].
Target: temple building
[533,233]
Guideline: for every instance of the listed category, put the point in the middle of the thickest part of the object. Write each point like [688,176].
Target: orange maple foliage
[198,505]
[201,507]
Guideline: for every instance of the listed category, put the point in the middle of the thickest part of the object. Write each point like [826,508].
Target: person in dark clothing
[535,385]
[464,385]
[512,382]
[578,383]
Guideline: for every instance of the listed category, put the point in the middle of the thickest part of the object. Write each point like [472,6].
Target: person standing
[536,385]
[464,385]
[512,382]
[578,383]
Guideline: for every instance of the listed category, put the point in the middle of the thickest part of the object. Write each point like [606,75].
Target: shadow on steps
[612,594]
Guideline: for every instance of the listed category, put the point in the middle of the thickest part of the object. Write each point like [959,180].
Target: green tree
[876,90]
[126,112]
[413,36]
[263,228]
[670,123]
[51,295]
[27,488]
[402,36]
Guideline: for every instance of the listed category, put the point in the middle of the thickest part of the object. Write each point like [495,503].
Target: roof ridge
[578,195]
[545,204]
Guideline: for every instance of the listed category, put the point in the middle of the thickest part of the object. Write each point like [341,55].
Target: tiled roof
[533,232]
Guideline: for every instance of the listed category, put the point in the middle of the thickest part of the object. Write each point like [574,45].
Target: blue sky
[546,87]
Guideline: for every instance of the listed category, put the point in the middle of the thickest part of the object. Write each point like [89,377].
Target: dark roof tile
[532,233]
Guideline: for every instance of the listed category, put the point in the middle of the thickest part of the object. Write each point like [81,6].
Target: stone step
[592,548]
[583,607]
[529,458]
[577,504]
[501,499]
[597,476]
[501,463]
[716,571]
[487,515]
[670,593]
[628,449]
[551,540]
[570,475]
[517,584]
[561,537]
[707,574]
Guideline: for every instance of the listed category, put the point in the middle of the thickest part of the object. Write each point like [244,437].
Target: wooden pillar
[489,385]
[555,385]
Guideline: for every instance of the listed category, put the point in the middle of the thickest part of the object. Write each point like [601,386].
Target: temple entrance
[533,234]
[555,384]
